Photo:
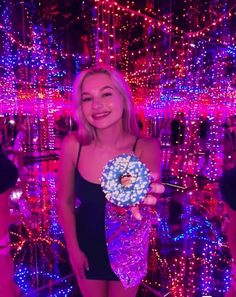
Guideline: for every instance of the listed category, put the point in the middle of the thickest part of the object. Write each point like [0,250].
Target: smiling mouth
[100,116]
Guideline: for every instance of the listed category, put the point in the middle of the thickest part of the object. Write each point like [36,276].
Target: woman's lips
[100,116]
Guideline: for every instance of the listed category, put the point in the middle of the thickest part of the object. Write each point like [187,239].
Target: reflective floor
[188,253]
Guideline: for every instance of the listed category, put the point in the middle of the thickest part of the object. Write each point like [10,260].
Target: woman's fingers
[135,212]
[150,200]
[86,266]
[157,188]
[80,273]
[154,176]
[79,265]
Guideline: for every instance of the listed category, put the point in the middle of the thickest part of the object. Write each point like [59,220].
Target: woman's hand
[79,263]
[152,196]
[7,285]
[10,289]
[231,292]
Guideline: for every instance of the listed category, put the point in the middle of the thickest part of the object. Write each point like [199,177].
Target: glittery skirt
[127,242]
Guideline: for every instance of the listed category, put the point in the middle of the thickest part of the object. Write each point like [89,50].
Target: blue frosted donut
[127,193]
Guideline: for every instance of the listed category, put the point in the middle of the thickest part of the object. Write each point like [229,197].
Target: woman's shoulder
[148,142]
[70,146]
[148,145]
[71,139]
[149,152]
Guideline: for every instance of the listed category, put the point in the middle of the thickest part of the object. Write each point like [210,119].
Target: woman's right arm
[66,173]
[231,234]
[66,208]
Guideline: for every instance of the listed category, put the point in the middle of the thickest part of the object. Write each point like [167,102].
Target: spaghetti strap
[77,161]
[135,144]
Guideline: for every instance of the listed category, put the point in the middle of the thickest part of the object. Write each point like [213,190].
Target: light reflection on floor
[188,256]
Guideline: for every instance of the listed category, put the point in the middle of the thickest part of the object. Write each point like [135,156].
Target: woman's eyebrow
[85,93]
[102,89]
[106,87]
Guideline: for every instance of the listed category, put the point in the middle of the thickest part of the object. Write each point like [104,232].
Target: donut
[125,180]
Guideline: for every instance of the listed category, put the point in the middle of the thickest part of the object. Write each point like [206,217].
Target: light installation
[181,61]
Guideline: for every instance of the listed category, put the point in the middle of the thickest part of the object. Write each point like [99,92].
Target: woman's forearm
[232,241]
[231,232]
[4,214]
[67,220]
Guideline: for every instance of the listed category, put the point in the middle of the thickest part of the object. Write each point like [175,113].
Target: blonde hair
[86,132]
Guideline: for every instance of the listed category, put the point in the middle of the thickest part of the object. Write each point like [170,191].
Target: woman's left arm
[150,154]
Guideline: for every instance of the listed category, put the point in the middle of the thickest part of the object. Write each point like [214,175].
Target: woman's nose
[97,102]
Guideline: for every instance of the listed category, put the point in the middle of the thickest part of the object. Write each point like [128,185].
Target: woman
[8,178]
[107,128]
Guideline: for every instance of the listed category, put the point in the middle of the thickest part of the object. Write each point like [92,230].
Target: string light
[169,69]
[25,275]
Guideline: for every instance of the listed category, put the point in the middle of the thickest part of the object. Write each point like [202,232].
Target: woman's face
[102,104]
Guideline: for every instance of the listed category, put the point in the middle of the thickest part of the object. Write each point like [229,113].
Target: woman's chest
[92,162]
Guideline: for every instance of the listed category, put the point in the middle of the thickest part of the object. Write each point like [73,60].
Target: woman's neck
[111,140]
[111,137]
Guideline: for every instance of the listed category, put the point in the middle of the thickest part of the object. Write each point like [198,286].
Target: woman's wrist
[5,245]
[72,247]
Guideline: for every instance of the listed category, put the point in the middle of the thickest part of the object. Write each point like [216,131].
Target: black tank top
[91,198]
[90,224]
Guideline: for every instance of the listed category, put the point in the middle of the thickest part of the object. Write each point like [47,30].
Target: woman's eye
[106,94]
[86,99]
